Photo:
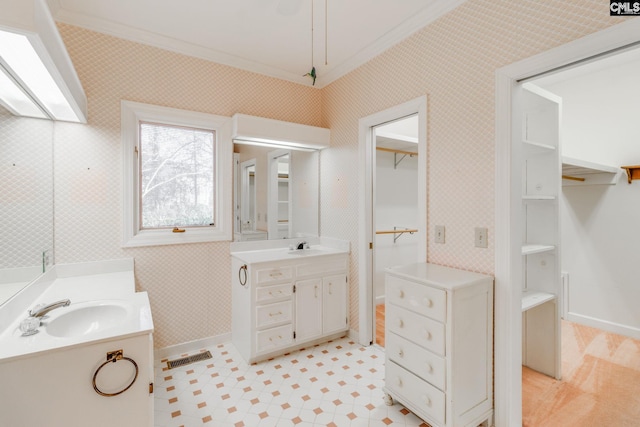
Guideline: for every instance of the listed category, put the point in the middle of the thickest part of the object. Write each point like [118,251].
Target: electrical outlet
[439,234]
[481,237]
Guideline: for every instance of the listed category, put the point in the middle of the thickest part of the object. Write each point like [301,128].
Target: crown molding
[428,15]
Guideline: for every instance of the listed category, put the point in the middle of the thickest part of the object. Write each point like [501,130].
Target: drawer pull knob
[400,323]
[401,353]
[279,337]
[427,334]
[400,293]
[399,381]
[275,274]
[279,313]
[429,368]
[279,291]
[428,302]
[427,401]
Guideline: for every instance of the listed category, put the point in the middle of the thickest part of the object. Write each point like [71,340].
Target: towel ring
[242,275]
[113,357]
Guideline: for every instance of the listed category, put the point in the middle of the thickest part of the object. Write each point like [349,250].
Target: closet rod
[573,178]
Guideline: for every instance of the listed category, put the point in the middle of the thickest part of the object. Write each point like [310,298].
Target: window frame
[132,113]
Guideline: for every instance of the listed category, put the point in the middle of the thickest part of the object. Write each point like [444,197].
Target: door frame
[508,311]
[366,168]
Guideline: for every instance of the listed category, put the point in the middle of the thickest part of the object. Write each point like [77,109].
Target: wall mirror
[26,200]
[276,192]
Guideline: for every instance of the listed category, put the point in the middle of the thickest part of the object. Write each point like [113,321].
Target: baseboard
[605,325]
[191,346]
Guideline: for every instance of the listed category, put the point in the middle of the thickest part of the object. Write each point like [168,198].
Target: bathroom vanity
[285,299]
[439,344]
[91,362]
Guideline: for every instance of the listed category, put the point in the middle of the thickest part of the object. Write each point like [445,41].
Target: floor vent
[189,359]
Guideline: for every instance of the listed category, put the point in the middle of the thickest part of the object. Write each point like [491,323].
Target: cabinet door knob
[399,382]
[401,353]
[400,293]
[426,400]
[400,323]
[427,334]
[429,368]
[427,302]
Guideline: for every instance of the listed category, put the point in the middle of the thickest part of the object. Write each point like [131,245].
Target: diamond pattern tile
[337,383]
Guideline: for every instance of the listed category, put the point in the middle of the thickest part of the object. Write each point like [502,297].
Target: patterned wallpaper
[453,61]
[26,190]
[188,285]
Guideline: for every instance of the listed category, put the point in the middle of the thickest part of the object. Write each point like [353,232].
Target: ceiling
[270,37]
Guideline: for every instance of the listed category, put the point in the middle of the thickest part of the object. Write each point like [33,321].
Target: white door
[308,309]
[334,303]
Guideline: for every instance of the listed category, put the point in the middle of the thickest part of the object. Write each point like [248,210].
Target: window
[177,176]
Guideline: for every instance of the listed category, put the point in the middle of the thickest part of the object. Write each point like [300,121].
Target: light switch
[439,234]
[481,237]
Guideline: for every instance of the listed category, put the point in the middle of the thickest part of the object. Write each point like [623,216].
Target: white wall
[396,205]
[601,224]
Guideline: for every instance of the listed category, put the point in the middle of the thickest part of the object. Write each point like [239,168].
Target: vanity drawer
[275,274]
[420,329]
[416,297]
[274,338]
[324,267]
[416,392]
[416,359]
[266,294]
[272,314]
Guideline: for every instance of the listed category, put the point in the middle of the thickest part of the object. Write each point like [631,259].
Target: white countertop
[86,285]
[437,275]
[284,254]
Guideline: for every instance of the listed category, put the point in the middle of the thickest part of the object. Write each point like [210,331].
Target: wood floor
[600,383]
[380,325]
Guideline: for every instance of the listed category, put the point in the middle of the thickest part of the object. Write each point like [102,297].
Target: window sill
[168,237]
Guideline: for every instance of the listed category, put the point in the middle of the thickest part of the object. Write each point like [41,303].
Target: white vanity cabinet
[439,344]
[279,303]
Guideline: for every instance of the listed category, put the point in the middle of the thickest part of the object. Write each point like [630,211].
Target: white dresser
[439,344]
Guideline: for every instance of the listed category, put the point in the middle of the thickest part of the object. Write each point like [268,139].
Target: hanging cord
[312,73]
[326,32]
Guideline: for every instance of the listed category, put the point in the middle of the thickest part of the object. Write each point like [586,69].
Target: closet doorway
[393,171]
[509,203]
[597,212]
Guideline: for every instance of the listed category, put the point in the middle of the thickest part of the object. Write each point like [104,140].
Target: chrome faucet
[41,311]
[302,245]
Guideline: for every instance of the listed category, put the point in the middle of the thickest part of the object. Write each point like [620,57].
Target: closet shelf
[537,197]
[531,147]
[529,249]
[633,172]
[531,299]
[582,172]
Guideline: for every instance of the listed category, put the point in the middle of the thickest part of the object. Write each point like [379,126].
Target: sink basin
[87,319]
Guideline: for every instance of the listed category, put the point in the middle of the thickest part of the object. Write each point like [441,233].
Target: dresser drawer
[266,294]
[272,314]
[421,330]
[272,275]
[416,359]
[416,392]
[274,338]
[416,297]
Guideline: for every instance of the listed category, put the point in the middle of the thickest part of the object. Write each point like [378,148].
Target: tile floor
[336,384]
